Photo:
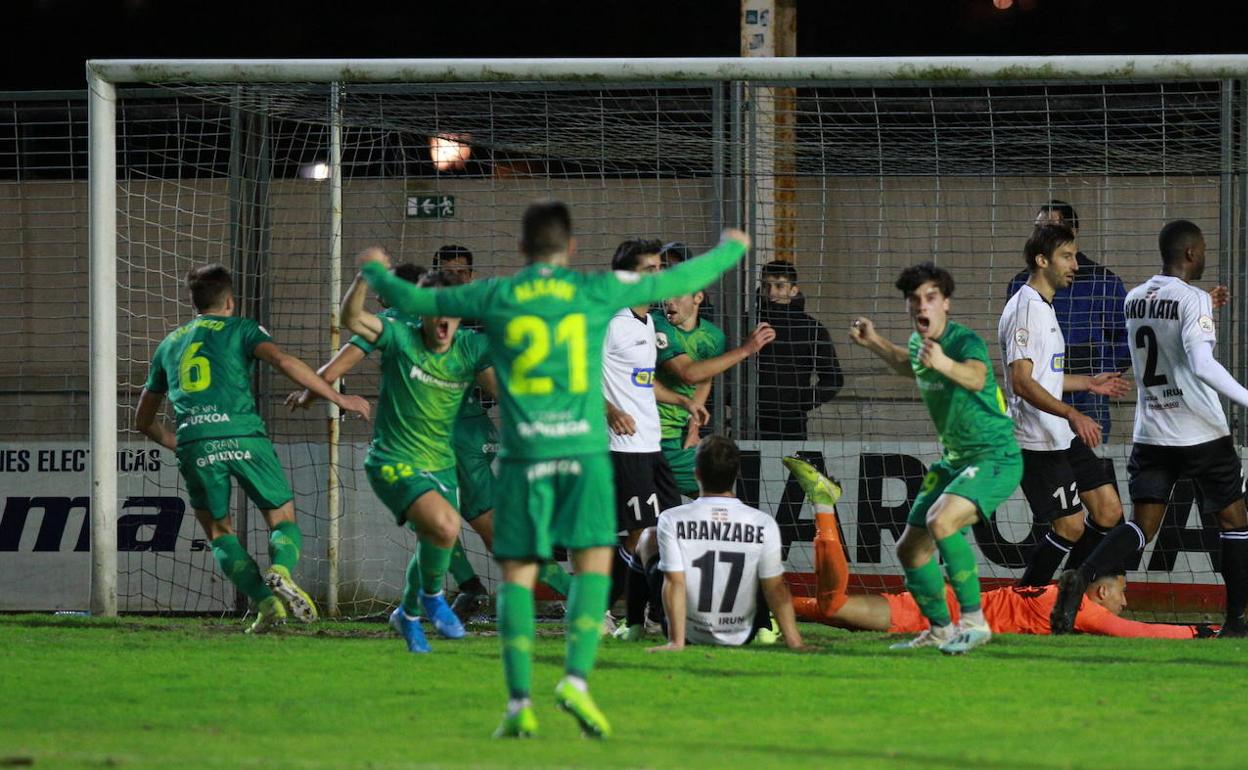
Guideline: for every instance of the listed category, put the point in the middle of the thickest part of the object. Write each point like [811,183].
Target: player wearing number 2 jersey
[205,368]
[546,325]
[1180,428]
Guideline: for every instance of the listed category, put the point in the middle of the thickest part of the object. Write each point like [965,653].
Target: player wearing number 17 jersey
[205,368]
[545,326]
[1180,428]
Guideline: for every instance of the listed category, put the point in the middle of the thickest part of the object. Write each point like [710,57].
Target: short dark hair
[630,252]
[410,272]
[440,279]
[451,252]
[916,275]
[1064,209]
[1177,237]
[778,268]
[545,229]
[718,462]
[1044,241]
[209,285]
[674,253]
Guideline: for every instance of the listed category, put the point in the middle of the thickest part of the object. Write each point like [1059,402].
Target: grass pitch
[187,693]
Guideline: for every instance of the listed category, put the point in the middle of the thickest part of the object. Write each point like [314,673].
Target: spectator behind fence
[801,351]
[1090,314]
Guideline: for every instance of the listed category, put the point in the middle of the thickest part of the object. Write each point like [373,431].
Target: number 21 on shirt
[533,334]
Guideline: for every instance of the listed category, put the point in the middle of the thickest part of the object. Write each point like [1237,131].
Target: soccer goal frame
[104,77]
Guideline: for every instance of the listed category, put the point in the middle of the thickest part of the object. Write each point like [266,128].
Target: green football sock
[518,631]
[554,575]
[927,587]
[587,603]
[460,568]
[433,563]
[962,569]
[240,568]
[285,543]
[411,588]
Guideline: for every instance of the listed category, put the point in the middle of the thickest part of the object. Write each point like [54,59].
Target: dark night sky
[48,40]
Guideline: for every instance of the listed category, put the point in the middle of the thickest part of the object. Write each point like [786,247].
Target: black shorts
[644,487]
[1213,465]
[1053,480]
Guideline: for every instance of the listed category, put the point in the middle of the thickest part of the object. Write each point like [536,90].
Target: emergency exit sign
[431,206]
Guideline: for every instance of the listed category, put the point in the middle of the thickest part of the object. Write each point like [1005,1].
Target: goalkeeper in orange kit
[1013,610]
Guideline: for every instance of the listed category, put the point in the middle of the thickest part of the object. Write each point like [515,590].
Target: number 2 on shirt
[533,334]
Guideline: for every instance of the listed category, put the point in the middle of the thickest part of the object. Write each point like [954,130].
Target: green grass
[184,693]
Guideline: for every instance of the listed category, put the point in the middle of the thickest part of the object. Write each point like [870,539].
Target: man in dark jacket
[801,351]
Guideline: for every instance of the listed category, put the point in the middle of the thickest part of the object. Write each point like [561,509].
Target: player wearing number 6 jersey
[205,368]
[545,326]
[1180,428]
[980,465]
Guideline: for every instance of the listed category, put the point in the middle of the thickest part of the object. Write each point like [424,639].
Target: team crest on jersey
[660,340]
[643,378]
[1206,324]
[1021,337]
[1058,362]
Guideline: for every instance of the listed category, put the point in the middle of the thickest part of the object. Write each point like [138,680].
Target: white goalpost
[896,161]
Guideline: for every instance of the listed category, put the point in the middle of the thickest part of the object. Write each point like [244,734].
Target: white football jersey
[628,359]
[724,547]
[1028,330]
[1166,317]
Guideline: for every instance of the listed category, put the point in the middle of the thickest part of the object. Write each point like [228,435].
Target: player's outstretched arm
[301,374]
[1111,384]
[398,293]
[1024,384]
[693,372]
[1206,367]
[145,421]
[343,361]
[353,315]
[687,277]
[1094,619]
[781,603]
[674,606]
[862,332]
[665,395]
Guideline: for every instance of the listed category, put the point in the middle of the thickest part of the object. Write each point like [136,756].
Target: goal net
[849,180]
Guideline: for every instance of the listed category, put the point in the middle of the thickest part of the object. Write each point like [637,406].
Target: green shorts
[398,484]
[986,481]
[569,502]
[207,465]
[680,460]
[475,441]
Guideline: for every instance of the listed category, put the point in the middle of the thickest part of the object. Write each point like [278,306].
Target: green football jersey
[969,423]
[706,340]
[546,326]
[421,394]
[205,367]
[471,407]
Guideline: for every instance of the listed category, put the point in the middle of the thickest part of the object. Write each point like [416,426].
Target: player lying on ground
[546,325]
[1180,429]
[713,556]
[427,369]
[979,466]
[205,367]
[1061,474]
[1012,610]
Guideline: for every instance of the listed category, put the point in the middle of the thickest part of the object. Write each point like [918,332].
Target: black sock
[619,577]
[1122,542]
[1045,560]
[638,595]
[1235,571]
[1085,545]
[654,579]
[473,585]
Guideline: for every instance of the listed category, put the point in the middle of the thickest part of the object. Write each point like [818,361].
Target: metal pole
[1226,228]
[1241,266]
[718,216]
[102,118]
[332,497]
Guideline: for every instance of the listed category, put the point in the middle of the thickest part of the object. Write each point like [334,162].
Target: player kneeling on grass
[426,372]
[205,367]
[714,555]
[1011,610]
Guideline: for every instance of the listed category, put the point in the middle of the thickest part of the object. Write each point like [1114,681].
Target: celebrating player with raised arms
[1180,428]
[546,326]
[1061,474]
[979,466]
[205,367]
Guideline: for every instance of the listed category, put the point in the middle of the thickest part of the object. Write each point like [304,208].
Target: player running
[1061,474]
[427,370]
[205,367]
[1180,428]
[546,325]
[1013,610]
[980,465]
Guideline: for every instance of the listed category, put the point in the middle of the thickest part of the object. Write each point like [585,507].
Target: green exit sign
[431,206]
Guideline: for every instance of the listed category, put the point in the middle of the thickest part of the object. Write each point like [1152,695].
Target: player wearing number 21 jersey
[545,326]
[1180,428]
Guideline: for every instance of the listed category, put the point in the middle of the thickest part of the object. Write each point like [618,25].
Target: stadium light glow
[318,171]
[450,152]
